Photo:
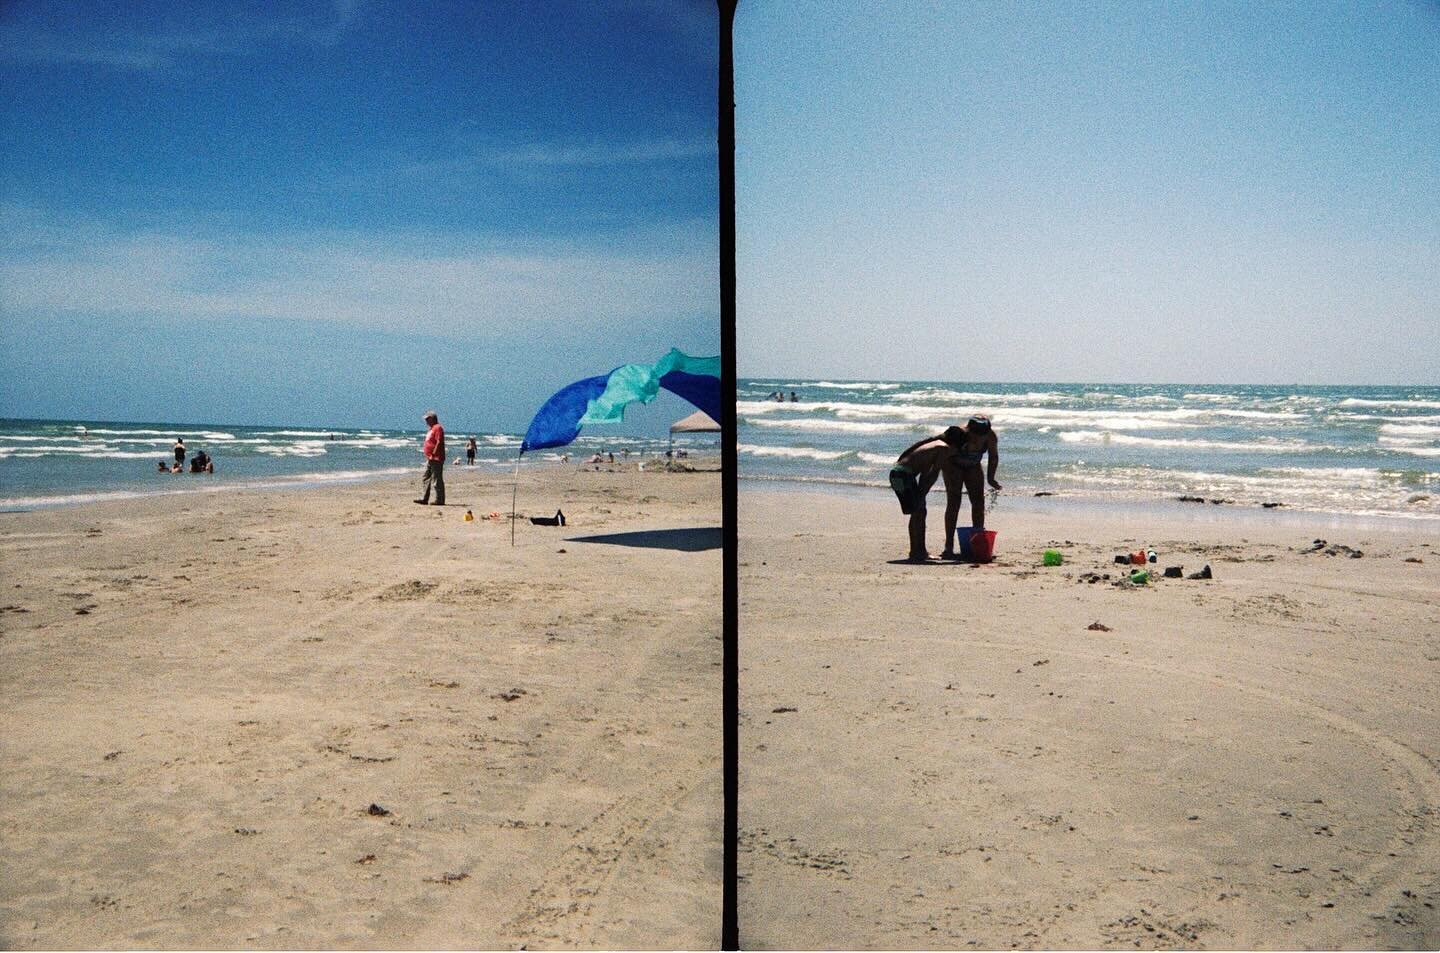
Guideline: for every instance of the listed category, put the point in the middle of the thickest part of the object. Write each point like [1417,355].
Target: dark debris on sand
[1333,549]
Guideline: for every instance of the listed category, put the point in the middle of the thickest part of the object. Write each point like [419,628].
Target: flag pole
[514,486]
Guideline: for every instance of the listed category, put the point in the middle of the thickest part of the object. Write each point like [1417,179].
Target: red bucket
[982,545]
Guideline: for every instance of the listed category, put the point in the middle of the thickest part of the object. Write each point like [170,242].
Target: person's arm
[954,483]
[993,452]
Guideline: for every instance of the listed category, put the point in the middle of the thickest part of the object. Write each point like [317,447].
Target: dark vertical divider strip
[729,926]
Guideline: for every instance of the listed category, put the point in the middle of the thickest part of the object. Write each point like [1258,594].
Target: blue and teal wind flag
[603,399]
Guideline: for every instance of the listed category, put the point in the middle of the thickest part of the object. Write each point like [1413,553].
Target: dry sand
[204,695]
[947,756]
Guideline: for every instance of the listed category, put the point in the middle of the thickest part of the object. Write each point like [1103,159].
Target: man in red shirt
[434,450]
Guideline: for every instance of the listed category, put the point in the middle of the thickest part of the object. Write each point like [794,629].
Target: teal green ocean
[73,462]
[1350,450]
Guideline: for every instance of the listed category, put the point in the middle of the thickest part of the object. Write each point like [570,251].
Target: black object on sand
[557,520]
[1174,572]
[1202,574]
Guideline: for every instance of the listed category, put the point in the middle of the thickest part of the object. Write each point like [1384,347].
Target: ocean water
[66,462]
[1371,451]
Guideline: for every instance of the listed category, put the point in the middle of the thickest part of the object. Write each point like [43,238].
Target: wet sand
[950,756]
[204,697]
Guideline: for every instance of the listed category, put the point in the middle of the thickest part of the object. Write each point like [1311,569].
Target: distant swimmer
[470,451]
[793,398]
[180,452]
[162,467]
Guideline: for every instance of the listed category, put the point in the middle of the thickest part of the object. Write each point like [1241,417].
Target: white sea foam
[39,450]
[67,499]
[1104,419]
[982,397]
[1363,402]
[172,434]
[207,485]
[130,455]
[823,425]
[846,385]
[791,452]
[327,476]
[1334,489]
[1258,414]
[1411,419]
[291,450]
[878,459]
[1411,430]
[1130,440]
[940,416]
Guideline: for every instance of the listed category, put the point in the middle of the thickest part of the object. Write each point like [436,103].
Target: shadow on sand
[691,540]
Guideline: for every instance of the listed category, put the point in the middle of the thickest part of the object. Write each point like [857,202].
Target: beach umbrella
[603,399]
[698,422]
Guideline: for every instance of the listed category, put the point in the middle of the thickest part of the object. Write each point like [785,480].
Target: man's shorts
[906,485]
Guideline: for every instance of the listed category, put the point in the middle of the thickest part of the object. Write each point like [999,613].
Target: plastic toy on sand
[977,547]
[982,545]
[962,541]
[1053,557]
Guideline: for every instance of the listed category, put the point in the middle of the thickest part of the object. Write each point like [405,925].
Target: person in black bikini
[980,440]
[954,455]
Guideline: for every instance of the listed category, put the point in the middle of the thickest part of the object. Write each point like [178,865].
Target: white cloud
[446,284]
[144,51]
[545,157]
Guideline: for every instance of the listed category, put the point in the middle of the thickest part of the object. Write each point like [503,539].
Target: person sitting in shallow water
[955,456]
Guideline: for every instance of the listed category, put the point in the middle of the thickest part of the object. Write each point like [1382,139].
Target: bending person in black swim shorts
[915,473]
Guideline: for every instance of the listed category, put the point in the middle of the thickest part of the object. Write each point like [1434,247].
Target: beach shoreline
[205,695]
[1161,509]
[1021,756]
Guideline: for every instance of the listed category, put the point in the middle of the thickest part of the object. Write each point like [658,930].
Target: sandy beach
[953,756]
[331,718]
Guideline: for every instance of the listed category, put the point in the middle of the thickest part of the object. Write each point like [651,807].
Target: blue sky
[345,212]
[1159,192]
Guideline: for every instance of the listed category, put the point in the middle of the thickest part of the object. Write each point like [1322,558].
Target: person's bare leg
[917,535]
[975,486]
